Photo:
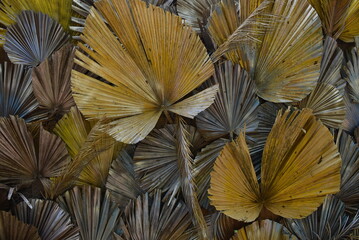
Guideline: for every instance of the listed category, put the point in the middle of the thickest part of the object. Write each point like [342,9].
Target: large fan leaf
[154,220]
[300,165]
[147,69]
[351,29]
[329,222]
[235,106]
[16,95]
[33,38]
[26,158]
[13,229]
[95,214]
[51,82]
[51,221]
[262,230]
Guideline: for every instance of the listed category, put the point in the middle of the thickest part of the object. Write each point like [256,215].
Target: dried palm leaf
[155,220]
[333,14]
[13,229]
[331,65]
[16,95]
[95,214]
[148,69]
[235,106]
[351,29]
[221,227]
[327,104]
[262,230]
[351,121]
[51,83]
[33,38]
[300,166]
[196,12]
[51,221]
[156,160]
[91,150]
[349,151]
[352,73]
[121,180]
[284,68]
[329,222]
[26,158]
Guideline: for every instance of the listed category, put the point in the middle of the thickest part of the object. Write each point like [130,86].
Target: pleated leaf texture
[300,166]
[150,61]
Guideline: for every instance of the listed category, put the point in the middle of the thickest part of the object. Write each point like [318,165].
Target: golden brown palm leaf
[300,166]
[147,69]
[92,152]
[156,219]
[51,82]
[262,230]
[51,221]
[235,107]
[351,29]
[13,229]
[16,93]
[33,38]
[284,68]
[27,157]
[94,213]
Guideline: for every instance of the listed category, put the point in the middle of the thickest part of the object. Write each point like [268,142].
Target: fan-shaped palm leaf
[91,150]
[121,180]
[329,222]
[33,38]
[149,68]
[16,95]
[13,229]
[284,68]
[235,106]
[51,221]
[51,82]
[351,29]
[262,230]
[352,72]
[351,121]
[25,157]
[155,220]
[300,165]
[95,215]
[349,192]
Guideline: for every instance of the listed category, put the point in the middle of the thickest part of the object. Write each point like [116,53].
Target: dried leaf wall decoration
[262,230]
[16,93]
[145,53]
[26,158]
[95,214]
[51,82]
[329,222]
[299,152]
[13,229]
[235,106]
[51,221]
[155,220]
[33,38]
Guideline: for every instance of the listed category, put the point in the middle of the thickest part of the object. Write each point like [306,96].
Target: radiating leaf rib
[16,93]
[51,82]
[351,121]
[235,106]
[26,158]
[234,187]
[262,230]
[144,65]
[156,219]
[352,75]
[13,229]
[351,29]
[51,221]
[95,214]
[300,165]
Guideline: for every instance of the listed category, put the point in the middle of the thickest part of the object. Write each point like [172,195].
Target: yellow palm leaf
[149,69]
[300,166]
[262,230]
[351,29]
